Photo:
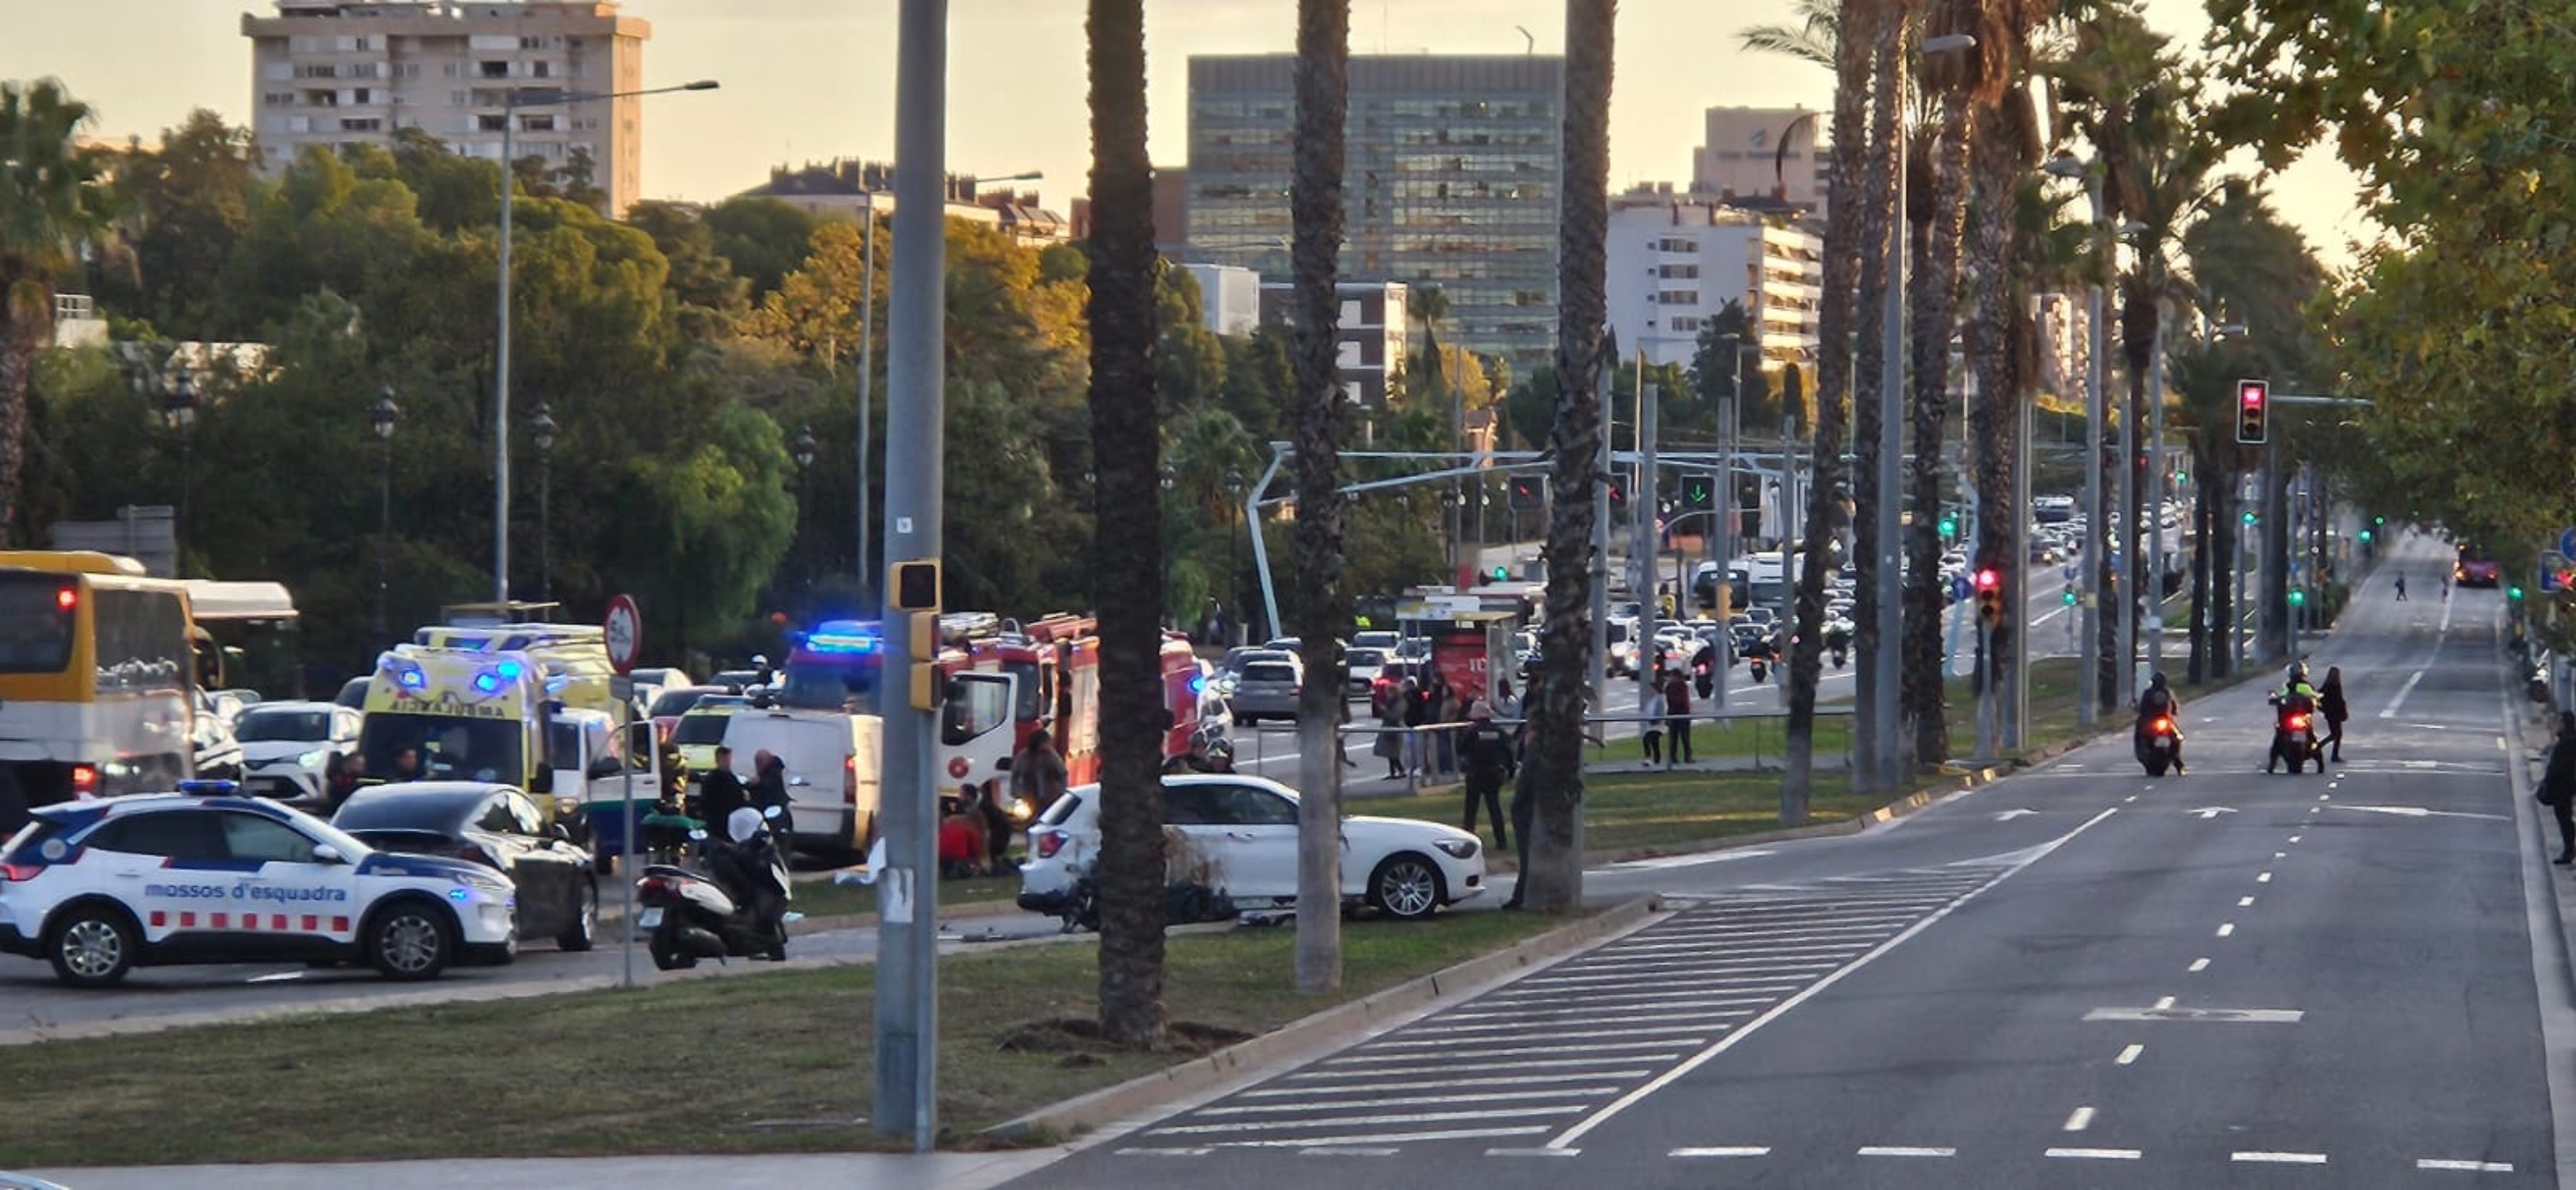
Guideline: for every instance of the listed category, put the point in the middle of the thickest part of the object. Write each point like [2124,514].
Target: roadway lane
[2078,976]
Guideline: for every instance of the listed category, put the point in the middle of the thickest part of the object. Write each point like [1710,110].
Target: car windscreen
[450,747]
[259,726]
[1267,671]
[400,812]
[700,729]
[37,613]
[675,702]
[1064,807]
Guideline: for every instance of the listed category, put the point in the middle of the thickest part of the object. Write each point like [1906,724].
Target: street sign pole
[623,632]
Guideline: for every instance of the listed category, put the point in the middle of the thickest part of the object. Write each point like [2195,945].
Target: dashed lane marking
[2273,1158]
[1905,1151]
[2465,1166]
[2078,1120]
[2226,928]
[2095,1154]
[2198,966]
[1350,1151]
[2244,902]
[1724,1151]
[2130,1055]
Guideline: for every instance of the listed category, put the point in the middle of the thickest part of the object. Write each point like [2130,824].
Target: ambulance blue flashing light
[487,682]
[410,677]
[510,671]
[1198,683]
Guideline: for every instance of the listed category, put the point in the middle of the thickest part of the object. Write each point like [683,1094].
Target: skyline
[811,80]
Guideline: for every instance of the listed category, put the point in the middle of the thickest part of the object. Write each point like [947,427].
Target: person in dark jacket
[720,792]
[769,788]
[2558,787]
[1489,757]
[1524,819]
[2330,704]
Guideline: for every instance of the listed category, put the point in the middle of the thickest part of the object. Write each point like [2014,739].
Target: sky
[810,80]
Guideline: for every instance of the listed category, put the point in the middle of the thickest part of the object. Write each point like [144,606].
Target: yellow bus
[98,681]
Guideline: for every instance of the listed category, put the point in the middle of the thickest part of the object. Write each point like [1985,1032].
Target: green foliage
[763,237]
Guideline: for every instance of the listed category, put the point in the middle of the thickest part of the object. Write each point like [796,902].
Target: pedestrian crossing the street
[1531,1059]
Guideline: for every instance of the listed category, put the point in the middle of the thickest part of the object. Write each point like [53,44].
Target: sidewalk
[855,1171]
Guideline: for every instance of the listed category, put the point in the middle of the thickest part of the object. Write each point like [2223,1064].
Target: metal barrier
[1769,732]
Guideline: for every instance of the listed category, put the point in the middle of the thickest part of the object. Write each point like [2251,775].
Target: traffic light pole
[1642,540]
[1722,539]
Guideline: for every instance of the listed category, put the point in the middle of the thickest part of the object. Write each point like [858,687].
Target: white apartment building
[2065,343]
[1371,340]
[1676,260]
[1229,297]
[339,73]
[1744,159]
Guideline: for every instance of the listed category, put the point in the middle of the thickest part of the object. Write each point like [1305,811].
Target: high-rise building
[340,73]
[1676,260]
[1449,182]
[1370,336]
[1762,157]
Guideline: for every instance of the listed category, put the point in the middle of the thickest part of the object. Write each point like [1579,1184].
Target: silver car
[1268,688]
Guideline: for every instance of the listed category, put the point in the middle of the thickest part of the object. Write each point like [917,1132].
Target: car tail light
[19,872]
[1049,842]
[850,780]
[85,780]
[654,886]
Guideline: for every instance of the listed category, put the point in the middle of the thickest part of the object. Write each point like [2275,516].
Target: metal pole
[501,370]
[1886,768]
[2154,593]
[2124,675]
[2236,609]
[626,874]
[2016,676]
[187,484]
[1721,537]
[545,524]
[907,991]
[384,533]
[1793,515]
[2089,640]
[867,378]
[1600,666]
[1642,541]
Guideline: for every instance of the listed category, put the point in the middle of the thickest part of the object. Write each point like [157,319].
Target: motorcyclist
[744,866]
[1838,639]
[2295,697]
[1704,665]
[2157,701]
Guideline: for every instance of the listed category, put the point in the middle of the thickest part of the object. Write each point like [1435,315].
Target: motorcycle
[2160,746]
[693,915]
[1761,669]
[2294,737]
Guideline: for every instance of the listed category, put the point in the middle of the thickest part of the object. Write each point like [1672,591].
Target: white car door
[1260,829]
[288,892]
[1210,853]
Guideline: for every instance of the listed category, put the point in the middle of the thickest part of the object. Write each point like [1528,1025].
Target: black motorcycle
[738,909]
[2294,735]
[2159,745]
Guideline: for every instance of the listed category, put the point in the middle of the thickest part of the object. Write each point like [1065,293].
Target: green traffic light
[1501,573]
[2365,535]
[2298,597]
[1949,527]
[2066,597]
[2249,517]
[2514,592]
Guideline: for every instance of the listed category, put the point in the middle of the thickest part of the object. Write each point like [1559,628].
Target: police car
[98,888]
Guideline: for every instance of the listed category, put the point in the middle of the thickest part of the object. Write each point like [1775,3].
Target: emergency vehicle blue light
[1198,683]
[210,788]
[842,642]
[510,671]
[458,895]
[486,683]
[411,678]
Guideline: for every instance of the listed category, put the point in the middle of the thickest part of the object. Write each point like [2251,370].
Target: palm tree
[1322,612]
[1851,223]
[1814,40]
[1128,574]
[54,202]
[1882,195]
[1554,879]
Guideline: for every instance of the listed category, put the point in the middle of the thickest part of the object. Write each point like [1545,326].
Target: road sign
[2567,541]
[624,629]
[1958,587]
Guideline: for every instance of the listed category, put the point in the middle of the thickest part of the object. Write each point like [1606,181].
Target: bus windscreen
[37,617]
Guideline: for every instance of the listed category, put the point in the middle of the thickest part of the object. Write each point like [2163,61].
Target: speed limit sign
[624,630]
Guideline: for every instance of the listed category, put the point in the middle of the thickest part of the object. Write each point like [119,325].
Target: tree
[1553,881]
[54,201]
[183,207]
[1189,359]
[1128,567]
[1725,364]
[1322,612]
[763,237]
[710,296]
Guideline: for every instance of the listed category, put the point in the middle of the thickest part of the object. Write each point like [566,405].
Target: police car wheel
[93,946]
[410,939]
[583,926]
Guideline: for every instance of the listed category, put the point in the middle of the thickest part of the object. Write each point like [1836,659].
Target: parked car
[493,825]
[1241,836]
[286,744]
[671,703]
[1364,663]
[1268,688]
[98,888]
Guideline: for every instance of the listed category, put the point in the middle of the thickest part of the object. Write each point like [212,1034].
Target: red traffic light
[2252,393]
[2253,409]
[1989,579]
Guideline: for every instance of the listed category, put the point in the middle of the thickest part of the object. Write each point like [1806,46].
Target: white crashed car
[1244,830]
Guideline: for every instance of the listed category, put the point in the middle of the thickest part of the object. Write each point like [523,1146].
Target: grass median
[1641,811]
[774,1062]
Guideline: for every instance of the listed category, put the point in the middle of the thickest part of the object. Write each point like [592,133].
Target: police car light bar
[209,788]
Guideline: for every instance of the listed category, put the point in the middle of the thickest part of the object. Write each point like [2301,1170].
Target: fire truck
[1057,661]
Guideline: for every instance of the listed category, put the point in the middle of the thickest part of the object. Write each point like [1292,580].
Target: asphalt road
[2077,976]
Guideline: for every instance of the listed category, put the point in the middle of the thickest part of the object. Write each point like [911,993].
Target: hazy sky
[807,80]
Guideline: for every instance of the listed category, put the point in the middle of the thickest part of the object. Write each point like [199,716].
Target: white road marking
[2254,1016]
[2280,855]
[1533,1152]
[2390,712]
[2205,813]
[1524,1019]
[2465,1166]
[276,977]
[1350,1151]
[2096,1154]
[1434,1063]
[1683,861]
[1428,1117]
[2244,902]
[2294,838]
[2263,878]
[1314,1142]
[2279,1158]
[2226,928]
[1905,1151]
[2016,812]
[1724,1151]
[1783,1008]
[1445,1084]
[1403,1101]
[1639,1026]
[2130,1055]
[2131,798]
[2198,966]
[2417,812]
[2079,1120]
[1165,1152]
[2164,1002]
[1410,1051]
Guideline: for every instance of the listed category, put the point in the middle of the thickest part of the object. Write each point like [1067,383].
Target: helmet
[2157,680]
[742,824]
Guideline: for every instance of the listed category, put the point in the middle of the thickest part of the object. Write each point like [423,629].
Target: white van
[832,770]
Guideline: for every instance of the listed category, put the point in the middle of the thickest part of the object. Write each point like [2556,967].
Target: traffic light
[2513,593]
[1990,596]
[1699,493]
[1502,573]
[1618,494]
[2298,596]
[1529,491]
[2249,518]
[2253,409]
[2181,478]
[2365,537]
[2067,597]
[1949,525]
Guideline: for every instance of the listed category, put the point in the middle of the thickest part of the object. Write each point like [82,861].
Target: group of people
[1667,711]
[1413,705]
[2326,702]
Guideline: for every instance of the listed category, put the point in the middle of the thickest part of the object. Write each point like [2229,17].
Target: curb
[1369,1014]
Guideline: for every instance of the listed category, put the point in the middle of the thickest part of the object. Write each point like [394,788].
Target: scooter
[694,916]
[2294,739]
[2160,746]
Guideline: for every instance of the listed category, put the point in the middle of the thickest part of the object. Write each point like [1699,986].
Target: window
[494,70]
[367,124]
[973,707]
[1190,805]
[362,95]
[1243,805]
[497,817]
[541,69]
[249,836]
[279,99]
[142,641]
[536,123]
[176,834]
[492,123]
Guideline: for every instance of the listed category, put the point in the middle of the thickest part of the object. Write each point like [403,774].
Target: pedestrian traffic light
[1699,494]
[1529,491]
[2249,518]
[1990,596]
[2253,407]
[2298,596]
[2067,597]
[2514,593]
[1618,494]
[1949,526]
[2365,537]
[1502,573]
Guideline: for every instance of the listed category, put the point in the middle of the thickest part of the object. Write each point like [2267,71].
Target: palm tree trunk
[2200,544]
[17,371]
[1935,299]
[1847,230]
[1322,611]
[1994,420]
[1882,193]
[1555,837]
[1129,566]
[2227,619]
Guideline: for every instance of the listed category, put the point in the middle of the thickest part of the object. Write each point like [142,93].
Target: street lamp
[179,409]
[1233,545]
[542,431]
[2087,675]
[511,101]
[382,415]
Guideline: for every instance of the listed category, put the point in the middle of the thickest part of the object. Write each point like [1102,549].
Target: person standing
[2330,704]
[1524,814]
[1446,708]
[1390,735]
[1037,774]
[720,792]
[769,788]
[2401,586]
[1488,759]
[2558,787]
[1677,724]
[1652,730]
[1417,711]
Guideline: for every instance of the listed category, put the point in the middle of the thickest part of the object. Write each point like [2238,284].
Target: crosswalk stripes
[1528,1059]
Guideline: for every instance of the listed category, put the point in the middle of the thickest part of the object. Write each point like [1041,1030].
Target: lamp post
[542,430]
[511,101]
[801,449]
[180,410]
[2095,569]
[382,415]
[1234,546]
